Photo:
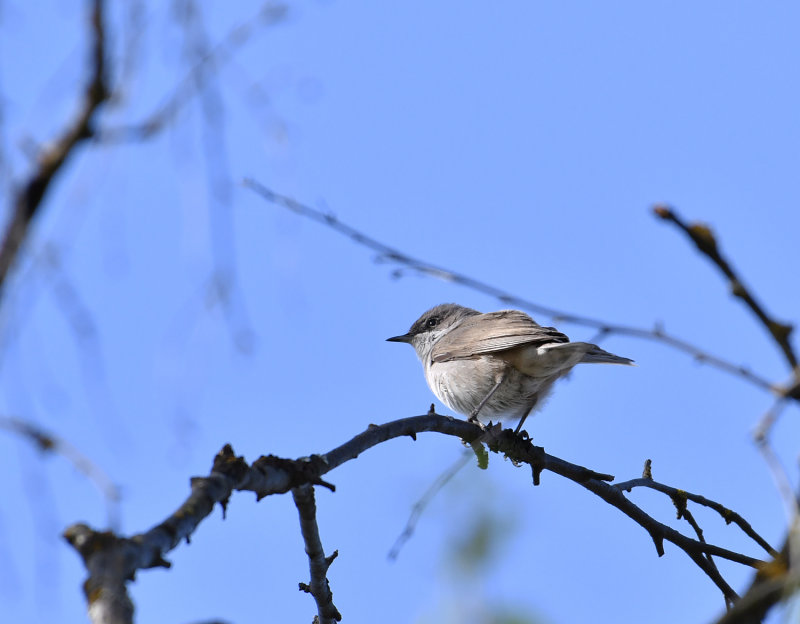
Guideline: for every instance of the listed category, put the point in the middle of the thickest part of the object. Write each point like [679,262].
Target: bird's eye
[432,322]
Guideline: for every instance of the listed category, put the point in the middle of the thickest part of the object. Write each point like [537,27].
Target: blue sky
[522,144]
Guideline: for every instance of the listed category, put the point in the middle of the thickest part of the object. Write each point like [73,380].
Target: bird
[486,366]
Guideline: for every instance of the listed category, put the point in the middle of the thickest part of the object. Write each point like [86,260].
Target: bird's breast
[462,384]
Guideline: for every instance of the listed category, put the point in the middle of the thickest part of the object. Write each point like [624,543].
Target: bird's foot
[522,434]
[473,419]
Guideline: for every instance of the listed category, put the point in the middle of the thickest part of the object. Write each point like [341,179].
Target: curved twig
[424,500]
[395,256]
[702,236]
[50,443]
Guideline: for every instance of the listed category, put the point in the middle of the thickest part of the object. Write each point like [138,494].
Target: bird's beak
[404,338]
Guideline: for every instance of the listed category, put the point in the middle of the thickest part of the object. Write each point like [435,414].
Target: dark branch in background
[50,443]
[702,236]
[390,254]
[112,560]
[318,563]
[776,581]
[761,436]
[706,242]
[29,197]
[222,287]
[420,506]
[271,13]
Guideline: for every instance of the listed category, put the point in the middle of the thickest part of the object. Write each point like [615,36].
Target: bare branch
[683,512]
[112,560]
[28,199]
[51,443]
[682,495]
[318,563]
[269,14]
[774,582]
[702,236]
[791,502]
[420,506]
[395,256]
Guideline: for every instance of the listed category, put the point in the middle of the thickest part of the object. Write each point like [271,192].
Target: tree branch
[767,588]
[682,495]
[318,563]
[776,581]
[112,560]
[702,236]
[50,443]
[418,507]
[28,199]
[269,14]
[395,256]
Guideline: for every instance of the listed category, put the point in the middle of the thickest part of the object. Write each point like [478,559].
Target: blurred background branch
[49,161]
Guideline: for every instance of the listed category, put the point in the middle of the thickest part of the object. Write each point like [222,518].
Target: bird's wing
[493,332]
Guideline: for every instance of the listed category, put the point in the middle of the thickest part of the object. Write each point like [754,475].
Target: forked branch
[112,560]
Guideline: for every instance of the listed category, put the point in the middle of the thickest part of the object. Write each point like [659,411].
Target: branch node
[331,558]
[658,541]
[679,500]
[536,470]
[662,211]
[160,562]
[224,504]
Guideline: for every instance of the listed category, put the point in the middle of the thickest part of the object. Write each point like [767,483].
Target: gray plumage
[497,364]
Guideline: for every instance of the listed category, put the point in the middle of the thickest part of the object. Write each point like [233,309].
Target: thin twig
[683,512]
[727,515]
[395,256]
[780,476]
[28,199]
[761,437]
[318,563]
[702,236]
[51,443]
[269,14]
[424,500]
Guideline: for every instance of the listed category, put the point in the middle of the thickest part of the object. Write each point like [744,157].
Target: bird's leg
[525,415]
[473,417]
[519,426]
